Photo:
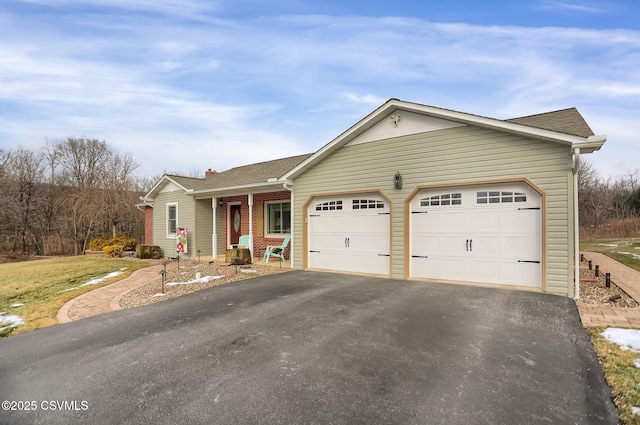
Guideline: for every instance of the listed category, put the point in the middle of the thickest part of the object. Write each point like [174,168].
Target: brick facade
[148,225]
[259,240]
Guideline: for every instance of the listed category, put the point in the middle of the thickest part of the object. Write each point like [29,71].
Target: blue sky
[196,84]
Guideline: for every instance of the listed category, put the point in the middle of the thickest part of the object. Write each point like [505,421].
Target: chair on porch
[276,250]
[243,242]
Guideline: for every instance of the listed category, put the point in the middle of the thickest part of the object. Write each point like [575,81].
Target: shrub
[148,252]
[100,242]
[113,251]
[125,242]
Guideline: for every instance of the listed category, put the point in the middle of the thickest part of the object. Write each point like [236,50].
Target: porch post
[250,202]
[214,236]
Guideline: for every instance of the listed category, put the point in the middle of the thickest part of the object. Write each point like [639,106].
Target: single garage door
[487,234]
[349,233]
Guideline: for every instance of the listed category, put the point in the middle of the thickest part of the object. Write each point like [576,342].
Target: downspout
[576,223]
[293,221]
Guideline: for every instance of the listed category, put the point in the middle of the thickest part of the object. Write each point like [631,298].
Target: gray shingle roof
[568,121]
[243,175]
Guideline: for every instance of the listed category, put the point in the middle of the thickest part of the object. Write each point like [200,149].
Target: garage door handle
[467,248]
[470,244]
[529,261]
[346,242]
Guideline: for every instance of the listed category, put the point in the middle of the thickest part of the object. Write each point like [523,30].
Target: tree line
[55,199]
[608,207]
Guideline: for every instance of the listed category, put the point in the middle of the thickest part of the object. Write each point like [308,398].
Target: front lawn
[622,374]
[34,291]
[625,251]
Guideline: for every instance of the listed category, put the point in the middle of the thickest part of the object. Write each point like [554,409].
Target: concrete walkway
[628,280]
[106,298]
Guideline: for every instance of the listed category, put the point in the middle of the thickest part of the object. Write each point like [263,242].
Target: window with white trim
[172,219]
[277,218]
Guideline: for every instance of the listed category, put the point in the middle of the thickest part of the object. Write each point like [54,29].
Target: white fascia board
[461,117]
[592,144]
[239,190]
[163,180]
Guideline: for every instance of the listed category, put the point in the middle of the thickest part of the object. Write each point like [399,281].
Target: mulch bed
[145,294]
[596,293]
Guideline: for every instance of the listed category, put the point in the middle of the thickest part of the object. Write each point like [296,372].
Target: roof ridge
[544,113]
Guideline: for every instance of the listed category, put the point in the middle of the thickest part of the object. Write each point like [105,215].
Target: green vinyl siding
[457,155]
[204,227]
[186,218]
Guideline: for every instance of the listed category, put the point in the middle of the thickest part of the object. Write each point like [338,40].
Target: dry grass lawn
[43,286]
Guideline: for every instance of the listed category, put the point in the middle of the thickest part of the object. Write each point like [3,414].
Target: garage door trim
[305,215]
[418,189]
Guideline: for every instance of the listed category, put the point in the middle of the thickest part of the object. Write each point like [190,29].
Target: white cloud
[573,7]
[180,95]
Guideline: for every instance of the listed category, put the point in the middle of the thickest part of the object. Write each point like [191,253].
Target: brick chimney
[210,172]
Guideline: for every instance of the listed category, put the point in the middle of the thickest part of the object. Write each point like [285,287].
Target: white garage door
[487,234]
[349,233]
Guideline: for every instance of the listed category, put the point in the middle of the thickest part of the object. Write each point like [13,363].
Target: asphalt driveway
[304,347]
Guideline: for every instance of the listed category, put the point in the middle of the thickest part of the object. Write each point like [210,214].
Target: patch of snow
[636,363]
[248,271]
[627,339]
[635,410]
[201,280]
[11,321]
[608,244]
[17,305]
[634,255]
[158,295]
[67,290]
[97,280]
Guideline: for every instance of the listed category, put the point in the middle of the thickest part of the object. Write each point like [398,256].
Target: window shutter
[259,211]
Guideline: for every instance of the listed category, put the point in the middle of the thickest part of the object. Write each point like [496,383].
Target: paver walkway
[628,280]
[106,298]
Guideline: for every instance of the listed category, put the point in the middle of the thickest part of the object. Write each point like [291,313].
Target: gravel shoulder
[596,293]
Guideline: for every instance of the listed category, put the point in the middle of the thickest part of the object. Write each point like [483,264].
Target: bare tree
[83,161]
[26,174]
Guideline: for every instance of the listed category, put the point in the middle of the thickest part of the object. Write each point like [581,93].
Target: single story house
[409,192]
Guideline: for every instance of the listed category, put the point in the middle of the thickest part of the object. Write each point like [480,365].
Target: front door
[234,224]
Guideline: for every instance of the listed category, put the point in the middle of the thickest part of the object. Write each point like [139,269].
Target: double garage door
[487,234]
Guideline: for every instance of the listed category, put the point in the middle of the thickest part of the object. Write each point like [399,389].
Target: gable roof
[242,176]
[554,129]
[250,174]
[568,121]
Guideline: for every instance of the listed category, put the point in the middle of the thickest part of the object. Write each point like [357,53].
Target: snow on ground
[159,295]
[17,305]
[11,321]
[67,290]
[201,280]
[632,254]
[608,244]
[97,280]
[627,339]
